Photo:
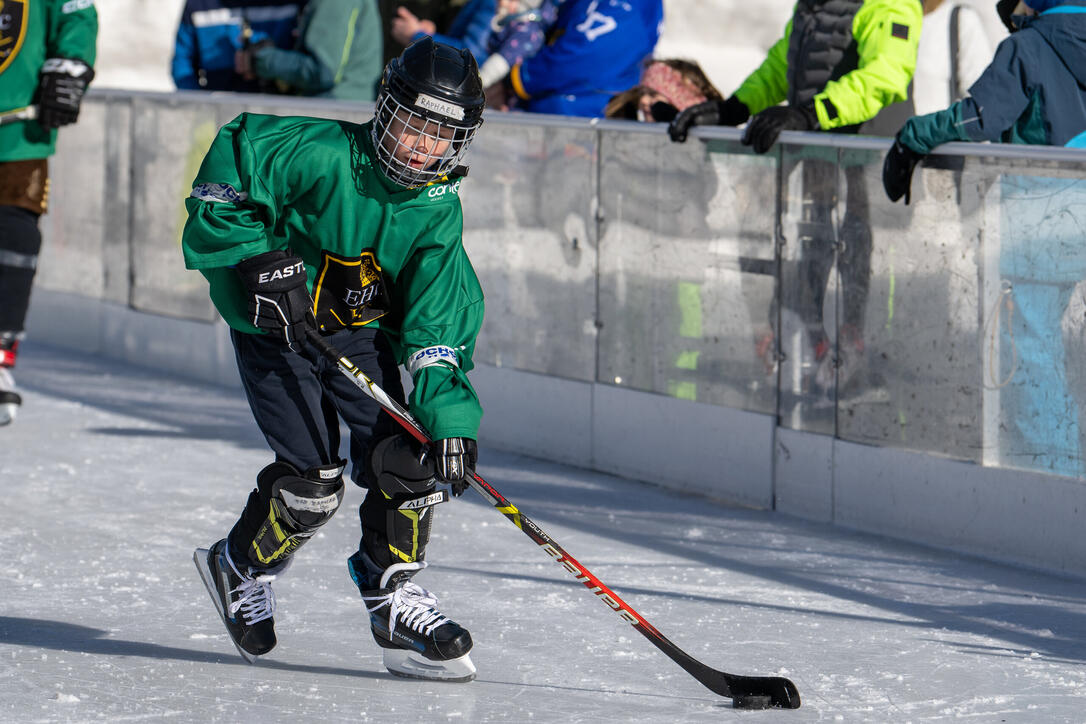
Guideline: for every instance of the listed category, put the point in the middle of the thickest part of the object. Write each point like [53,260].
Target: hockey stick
[753,692]
[21,114]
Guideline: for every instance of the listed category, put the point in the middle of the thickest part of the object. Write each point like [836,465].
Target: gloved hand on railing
[731,112]
[897,170]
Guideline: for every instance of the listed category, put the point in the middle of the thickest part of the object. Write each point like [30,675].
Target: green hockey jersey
[30,32]
[376,253]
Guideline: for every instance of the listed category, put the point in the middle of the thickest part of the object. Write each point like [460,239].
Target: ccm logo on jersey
[437,192]
[287,271]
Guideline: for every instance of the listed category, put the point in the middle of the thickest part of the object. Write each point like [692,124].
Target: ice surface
[112,475]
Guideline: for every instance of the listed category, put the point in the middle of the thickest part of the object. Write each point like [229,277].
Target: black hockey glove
[61,86]
[454,457]
[731,112]
[897,170]
[278,298]
[764,128]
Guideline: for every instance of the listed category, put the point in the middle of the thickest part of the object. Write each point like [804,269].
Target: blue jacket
[1034,90]
[594,51]
[470,28]
[211,31]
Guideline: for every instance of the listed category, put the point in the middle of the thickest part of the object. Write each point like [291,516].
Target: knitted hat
[672,85]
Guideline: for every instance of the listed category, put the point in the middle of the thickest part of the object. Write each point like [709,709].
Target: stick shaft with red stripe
[781,692]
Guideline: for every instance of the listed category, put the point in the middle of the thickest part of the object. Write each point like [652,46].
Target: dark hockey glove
[454,457]
[278,299]
[61,86]
[764,128]
[897,170]
[731,112]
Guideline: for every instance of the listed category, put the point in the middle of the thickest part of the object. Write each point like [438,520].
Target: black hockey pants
[298,399]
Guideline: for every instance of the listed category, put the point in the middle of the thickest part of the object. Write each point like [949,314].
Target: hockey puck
[753,701]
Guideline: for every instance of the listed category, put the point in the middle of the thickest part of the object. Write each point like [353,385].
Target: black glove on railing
[897,170]
[278,299]
[731,112]
[764,128]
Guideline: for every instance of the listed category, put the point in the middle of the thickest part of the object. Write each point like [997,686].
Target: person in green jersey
[355,230]
[46,57]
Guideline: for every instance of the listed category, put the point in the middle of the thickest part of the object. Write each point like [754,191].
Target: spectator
[837,66]
[1031,92]
[596,50]
[667,86]
[436,13]
[337,55]
[47,59]
[211,32]
[469,29]
[517,32]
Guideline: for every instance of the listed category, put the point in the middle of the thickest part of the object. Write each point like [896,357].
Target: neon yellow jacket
[884,67]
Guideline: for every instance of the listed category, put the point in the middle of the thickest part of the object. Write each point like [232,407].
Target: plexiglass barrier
[785,284]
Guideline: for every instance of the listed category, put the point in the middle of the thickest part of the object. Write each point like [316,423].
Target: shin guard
[396,515]
[285,510]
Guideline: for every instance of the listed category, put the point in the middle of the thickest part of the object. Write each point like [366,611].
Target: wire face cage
[419,143]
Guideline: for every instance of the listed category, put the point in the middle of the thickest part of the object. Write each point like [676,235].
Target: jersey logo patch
[900,31]
[349,292]
[12,30]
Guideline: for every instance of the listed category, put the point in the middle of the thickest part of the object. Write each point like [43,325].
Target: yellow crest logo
[13,15]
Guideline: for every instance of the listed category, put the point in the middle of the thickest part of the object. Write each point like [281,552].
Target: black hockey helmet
[433,91]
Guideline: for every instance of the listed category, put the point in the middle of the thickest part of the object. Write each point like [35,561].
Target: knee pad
[396,515]
[288,507]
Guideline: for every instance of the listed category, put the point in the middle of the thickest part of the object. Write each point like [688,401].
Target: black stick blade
[752,692]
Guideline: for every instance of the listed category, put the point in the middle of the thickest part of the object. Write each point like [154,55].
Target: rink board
[721,453]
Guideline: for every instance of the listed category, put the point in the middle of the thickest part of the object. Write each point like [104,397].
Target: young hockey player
[356,230]
[46,57]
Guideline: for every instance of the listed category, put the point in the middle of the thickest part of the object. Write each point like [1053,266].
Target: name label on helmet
[445,108]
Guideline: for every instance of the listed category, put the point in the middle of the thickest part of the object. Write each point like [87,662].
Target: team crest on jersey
[12,30]
[349,292]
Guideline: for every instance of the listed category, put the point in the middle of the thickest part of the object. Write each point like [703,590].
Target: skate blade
[199,557]
[410,665]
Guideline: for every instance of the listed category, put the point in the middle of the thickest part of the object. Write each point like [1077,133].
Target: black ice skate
[245,601]
[418,641]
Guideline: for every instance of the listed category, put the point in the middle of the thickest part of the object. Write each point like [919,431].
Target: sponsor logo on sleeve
[218,193]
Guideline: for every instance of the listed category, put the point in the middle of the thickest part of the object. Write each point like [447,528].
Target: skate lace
[409,604]
[256,599]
